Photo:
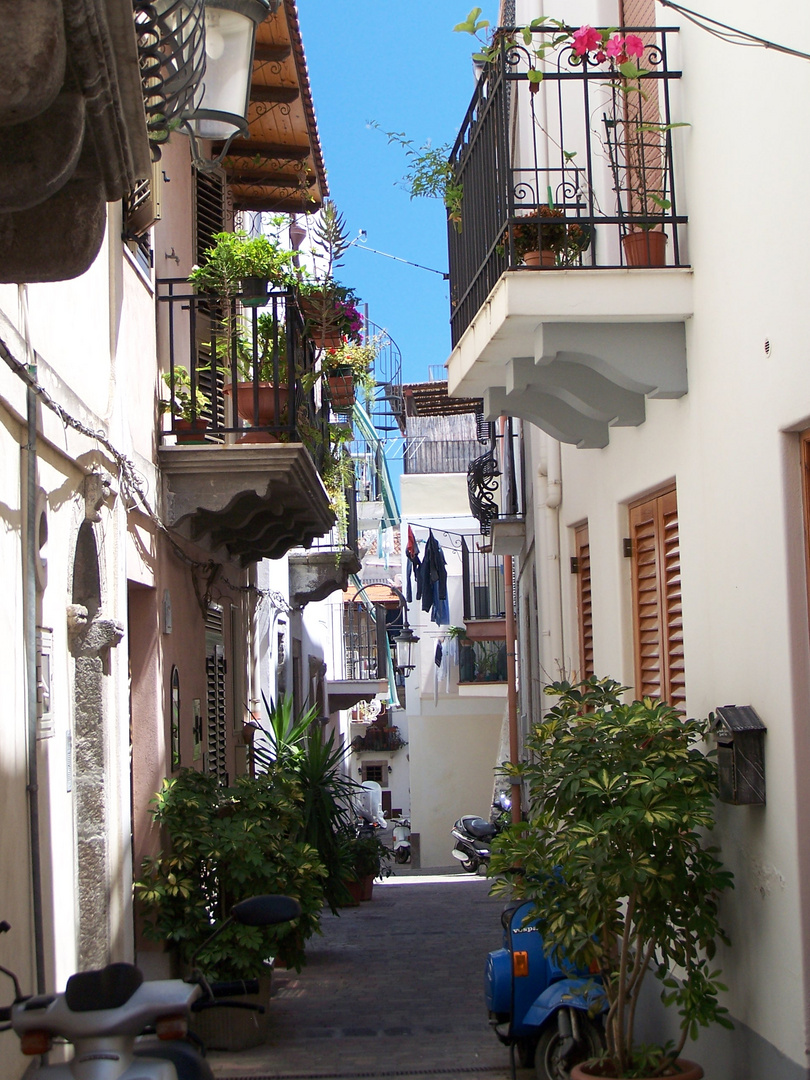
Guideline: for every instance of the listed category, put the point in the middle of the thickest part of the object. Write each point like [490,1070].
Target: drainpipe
[30,618]
[511,667]
[550,477]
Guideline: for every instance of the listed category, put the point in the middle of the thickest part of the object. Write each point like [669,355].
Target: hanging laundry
[431,581]
[414,562]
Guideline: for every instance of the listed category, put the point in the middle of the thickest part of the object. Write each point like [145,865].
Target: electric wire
[133,485]
[730,34]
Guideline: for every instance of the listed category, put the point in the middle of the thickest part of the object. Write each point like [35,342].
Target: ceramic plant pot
[645,247]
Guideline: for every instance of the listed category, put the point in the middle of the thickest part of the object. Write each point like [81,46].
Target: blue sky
[403,67]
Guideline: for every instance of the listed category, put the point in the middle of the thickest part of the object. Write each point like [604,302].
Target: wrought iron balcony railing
[240,374]
[378,739]
[482,583]
[494,480]
[589,144]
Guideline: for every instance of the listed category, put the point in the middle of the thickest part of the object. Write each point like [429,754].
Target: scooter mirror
[265,910]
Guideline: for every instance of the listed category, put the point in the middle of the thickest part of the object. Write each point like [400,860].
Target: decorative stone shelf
[252,501]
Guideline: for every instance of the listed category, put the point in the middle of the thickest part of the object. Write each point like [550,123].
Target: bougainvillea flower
[586,39]
[633,45]
[615,46]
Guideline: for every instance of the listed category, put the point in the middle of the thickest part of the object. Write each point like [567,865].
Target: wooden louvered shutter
[658,629]
[215,671]
[584,610]
[217,728]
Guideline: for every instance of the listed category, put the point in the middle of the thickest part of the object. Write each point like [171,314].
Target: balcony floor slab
[577,351]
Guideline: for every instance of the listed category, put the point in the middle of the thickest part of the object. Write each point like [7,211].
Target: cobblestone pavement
[393,988]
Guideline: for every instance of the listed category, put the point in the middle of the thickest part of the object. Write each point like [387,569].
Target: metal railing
[579,143]
[482,583]
[240,373]
[495,479]
[361,643]
[482,661]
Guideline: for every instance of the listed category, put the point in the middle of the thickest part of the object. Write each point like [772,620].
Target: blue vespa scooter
[542,1009]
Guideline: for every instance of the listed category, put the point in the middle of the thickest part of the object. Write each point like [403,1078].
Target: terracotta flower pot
[266,408]
[645,247]
[318,328]
[189,432]
[683,1070]
[540,258]
[341,391]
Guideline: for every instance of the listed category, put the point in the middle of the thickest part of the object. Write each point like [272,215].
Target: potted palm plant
[614,854]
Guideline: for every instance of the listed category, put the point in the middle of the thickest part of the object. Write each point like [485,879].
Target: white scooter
[402,840]
[102,1013]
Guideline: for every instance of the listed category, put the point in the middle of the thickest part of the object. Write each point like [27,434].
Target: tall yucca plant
[318,764]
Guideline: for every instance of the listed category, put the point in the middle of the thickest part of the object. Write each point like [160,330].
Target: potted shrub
[540,238]
[225,845]
[614,854]
[242,266]
[369,859]
[330,313]
[347,367]
[188,421]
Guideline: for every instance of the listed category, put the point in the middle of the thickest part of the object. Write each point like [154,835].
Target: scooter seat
[476,826]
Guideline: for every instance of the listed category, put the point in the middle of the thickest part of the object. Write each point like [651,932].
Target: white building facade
[665,413]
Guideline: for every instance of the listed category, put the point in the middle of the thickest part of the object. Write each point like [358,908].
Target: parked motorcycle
[474,835]
[402,840]
[542,1008]
[103,1013]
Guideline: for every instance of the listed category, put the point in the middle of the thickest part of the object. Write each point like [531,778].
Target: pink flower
[615,46]
[633,45]
[586,39]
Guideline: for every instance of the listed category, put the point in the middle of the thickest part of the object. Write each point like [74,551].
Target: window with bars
[216,698]
[584,609]
[657,611]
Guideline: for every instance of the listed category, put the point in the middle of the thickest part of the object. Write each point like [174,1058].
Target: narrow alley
[394,987]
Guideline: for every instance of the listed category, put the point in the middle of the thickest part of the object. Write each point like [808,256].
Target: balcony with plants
[570,283]
[251,458]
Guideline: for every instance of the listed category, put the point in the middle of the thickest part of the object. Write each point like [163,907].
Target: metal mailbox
[740,755]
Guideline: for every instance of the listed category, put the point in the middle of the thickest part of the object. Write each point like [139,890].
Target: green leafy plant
[182,402]
[613,852]
[355,358]
[225,845]
[235,256]
[369,857]
[430,172]
[539,231]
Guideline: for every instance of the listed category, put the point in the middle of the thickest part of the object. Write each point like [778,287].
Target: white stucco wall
[730,447]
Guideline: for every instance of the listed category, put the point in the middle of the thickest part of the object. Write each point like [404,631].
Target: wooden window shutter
[657,611]
[584,609]
[209,210]
[216,699]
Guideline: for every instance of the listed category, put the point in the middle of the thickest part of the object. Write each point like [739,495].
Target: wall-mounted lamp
[404,643]
[220,107]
